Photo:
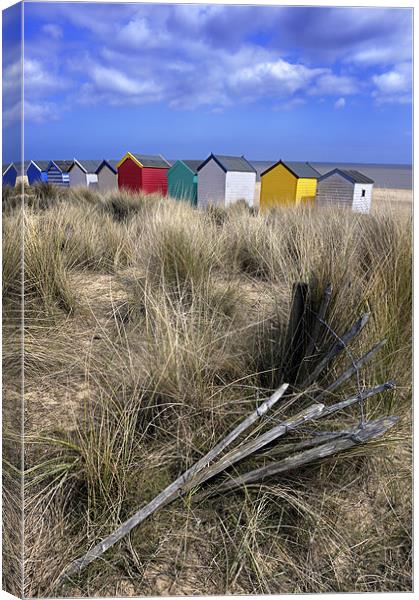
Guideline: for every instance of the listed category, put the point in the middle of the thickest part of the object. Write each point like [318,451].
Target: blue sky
[320,84]
[11,91]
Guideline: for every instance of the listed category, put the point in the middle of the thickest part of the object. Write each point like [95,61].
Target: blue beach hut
[57,172]
[37,171]
[9,174]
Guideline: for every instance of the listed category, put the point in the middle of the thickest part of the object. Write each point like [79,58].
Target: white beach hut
[224,180]
[346,188]
[83,173]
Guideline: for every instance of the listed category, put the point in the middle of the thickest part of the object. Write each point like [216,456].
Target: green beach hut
[182,180]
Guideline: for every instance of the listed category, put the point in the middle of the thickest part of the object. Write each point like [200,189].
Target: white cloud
[53,31]
[12,105]
[41,79]
[12,76]
[178,56]
[139,34]
[36,76]
[113,80]
[196,16]
[394,86]
[276,78]
[374,55]
[398,80]
[41,112]
[329,84]
[182,55]
[340,103]
[12,114]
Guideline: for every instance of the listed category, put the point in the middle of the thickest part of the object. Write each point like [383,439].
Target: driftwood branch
[359,435]
[201,471]
[314,412]
[321,437]
[253,446]
[328,410]
[336,349]
[357,364]
[317,440]
[171,492]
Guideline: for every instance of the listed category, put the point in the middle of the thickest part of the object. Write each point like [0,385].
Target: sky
[11,88]
[297,83]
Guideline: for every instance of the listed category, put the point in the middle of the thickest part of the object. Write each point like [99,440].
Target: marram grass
[151,330]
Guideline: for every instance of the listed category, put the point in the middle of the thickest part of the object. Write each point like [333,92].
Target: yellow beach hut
[287,183]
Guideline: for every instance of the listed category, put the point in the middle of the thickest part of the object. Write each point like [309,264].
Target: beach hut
[182,180]
[82,173]
[345,188]
[57,172]
[37,171]
[223,180]
[142,172]
[22,177]
[287,183]
[107,175]
[9,174]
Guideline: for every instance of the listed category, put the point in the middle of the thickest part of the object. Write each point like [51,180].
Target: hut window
[363,194]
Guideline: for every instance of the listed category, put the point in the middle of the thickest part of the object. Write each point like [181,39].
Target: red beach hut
[142,172]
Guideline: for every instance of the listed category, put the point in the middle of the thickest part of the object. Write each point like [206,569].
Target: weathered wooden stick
[328,410]
[317,440]
[171,491]
[336,349]
[234,456]
[357,364]
[371,430]
[324,305]
[314,412]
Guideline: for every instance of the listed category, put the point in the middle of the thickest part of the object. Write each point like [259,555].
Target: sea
[384,176]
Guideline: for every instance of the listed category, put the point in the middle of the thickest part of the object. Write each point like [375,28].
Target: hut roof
[230,163]
[42,165]
[351,174]
[63,165]
[22,167]
[152,160]
[88,166]
[302,170]
[193,164]
[7,166]
[112,164]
